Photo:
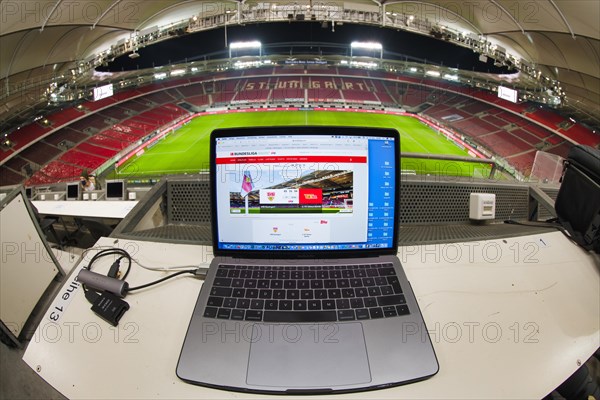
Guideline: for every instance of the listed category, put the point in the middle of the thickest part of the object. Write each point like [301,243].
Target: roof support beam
[50,15]
[141,24]
[509,14]
[104,13]
[447,10]
[563,18]
[163,10]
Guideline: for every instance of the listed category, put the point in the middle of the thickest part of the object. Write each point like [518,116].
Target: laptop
[305,293]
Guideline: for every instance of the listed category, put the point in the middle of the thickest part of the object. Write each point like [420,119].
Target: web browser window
[305,192]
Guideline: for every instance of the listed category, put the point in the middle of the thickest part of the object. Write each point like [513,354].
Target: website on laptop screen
[305,192]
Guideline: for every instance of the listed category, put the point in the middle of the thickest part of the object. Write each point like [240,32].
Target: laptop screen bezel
[302,130]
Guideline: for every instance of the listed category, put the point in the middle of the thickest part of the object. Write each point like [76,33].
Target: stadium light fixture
[255,44]
[367,45]
[374,46]
[435,74]
[245,45]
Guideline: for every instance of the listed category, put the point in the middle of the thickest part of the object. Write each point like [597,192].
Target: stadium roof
[561,38]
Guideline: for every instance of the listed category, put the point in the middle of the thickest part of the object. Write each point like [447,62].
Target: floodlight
[367,45]
[255,44]
[433,73]
[245,45]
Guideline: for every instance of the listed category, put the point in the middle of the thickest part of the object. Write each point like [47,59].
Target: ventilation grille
[544,214]
[430,212]
[420,202]
[433,234]
[188,202]
[196,234]
[442,202]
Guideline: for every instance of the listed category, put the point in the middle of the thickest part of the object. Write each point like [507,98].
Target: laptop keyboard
[306,293]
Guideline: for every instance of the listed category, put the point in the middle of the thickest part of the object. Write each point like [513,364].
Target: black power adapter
[110,307]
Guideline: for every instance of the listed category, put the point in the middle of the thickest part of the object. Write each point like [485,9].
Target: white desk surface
[85,208]
[509,319]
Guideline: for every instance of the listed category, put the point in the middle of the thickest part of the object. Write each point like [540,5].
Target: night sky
[406,45]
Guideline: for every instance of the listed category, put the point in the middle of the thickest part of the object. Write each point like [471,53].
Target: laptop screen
[298,189]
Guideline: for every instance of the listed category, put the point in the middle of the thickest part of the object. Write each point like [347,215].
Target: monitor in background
[73,191]
[115,190]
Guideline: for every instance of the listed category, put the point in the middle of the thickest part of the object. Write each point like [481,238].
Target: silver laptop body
[305,293]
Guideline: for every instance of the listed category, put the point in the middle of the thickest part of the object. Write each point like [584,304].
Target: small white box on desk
[482,206]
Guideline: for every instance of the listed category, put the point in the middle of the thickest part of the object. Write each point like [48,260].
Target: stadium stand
[221,98]
[253,90]
[525,135]
[102,146]
[523,162]
[108,142]
[55,171]
[24,137]
[41,153]
[191,90]
[259,71]
[288,89]
[547,118]
[91,149]
[512,130]
[64,135]
[115,112]
[9,177]
[474,126]
[135,106]
[159,97]
[493,120]
[90,124]
[352,71]
[359,96]
[413,96]
[85,160]
[64,116]
[474,107]
[385,98]
[581,135]
[561,150]
[318,69]
[200,100]
[16,163]
[504,143]
[288,71]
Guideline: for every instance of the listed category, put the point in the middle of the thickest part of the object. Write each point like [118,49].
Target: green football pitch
[186,150]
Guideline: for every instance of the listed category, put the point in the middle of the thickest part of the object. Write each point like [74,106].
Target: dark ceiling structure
[43,40]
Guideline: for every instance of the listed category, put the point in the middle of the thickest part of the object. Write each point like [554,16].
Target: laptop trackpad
[308,355]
